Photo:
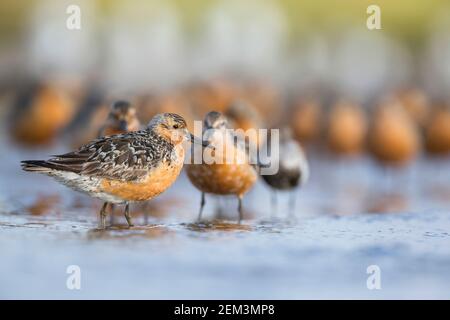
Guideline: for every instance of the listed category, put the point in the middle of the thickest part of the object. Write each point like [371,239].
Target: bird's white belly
[84,184]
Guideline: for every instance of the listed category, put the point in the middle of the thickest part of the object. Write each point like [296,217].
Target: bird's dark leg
[127,215]
[292,201]
[111,215]
[202,204]
[274,204]
[240,209]
[102,223]
[145,213]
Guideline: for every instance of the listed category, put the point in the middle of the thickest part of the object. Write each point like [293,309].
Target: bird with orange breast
[242,115]
[228,171]
[171,102]
[393,137]
[93,109]
[214,92]
[346,128]
[305,119]
[122,118]
[293,168]
[40,112]
[437,132]
[416,104]
[130,167]
[265,98]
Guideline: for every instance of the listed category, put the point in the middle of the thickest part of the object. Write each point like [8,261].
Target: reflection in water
[388,203]
[44,204]
[124,232]
[216,225]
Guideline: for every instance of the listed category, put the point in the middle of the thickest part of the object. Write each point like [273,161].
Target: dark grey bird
[293,169]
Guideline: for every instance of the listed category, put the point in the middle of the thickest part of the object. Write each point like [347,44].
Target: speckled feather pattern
[129,158]
[125,157]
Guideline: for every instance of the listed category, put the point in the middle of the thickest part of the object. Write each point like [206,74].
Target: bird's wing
[125,157]
[253,155]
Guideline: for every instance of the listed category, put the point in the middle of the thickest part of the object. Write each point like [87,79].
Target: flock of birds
[119,161]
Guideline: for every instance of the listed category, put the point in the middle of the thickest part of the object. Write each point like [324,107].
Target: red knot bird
[393,137]
[41,111]
[293,168]
[122,118]
[242,115]
[130,167]
[346,128]
[437,131]
[228,176]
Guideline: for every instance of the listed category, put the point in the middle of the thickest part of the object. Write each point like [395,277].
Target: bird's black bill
[123,125]
[196,140]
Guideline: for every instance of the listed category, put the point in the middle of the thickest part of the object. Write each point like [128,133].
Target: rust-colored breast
[222,179]
[158,180]
[109,131]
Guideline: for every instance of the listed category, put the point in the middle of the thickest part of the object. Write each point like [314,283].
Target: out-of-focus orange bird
[416,104]
[242,115]
[85,126]
[171,102]
[214,94]
[346,128]
[437,132]
[306,120]
[40,112]
[122,118]
[265,98]
[393,137]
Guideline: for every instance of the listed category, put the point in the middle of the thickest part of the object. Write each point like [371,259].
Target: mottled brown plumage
[134,166]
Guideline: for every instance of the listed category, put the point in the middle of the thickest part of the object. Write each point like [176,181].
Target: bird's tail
[40,166]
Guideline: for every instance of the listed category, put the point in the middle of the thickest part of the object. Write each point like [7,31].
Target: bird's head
[122,117]
[172,127]
[215,120]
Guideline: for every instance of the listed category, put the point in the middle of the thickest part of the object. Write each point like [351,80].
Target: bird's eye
[175,126]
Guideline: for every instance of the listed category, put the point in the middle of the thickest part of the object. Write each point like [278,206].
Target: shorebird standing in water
[227,176]
[293,168]
[122,118]
[124,168]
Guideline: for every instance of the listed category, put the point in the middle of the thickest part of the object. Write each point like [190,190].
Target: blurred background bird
[293,169]
[305,118]
[92,113]
[122,118]
[346,129]
[393,137]
[41,111]
[437,131]
[242,115]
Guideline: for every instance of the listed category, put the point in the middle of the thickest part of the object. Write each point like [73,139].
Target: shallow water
[322,253]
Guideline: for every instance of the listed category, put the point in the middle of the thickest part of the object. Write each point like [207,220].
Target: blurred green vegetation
[406,19]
